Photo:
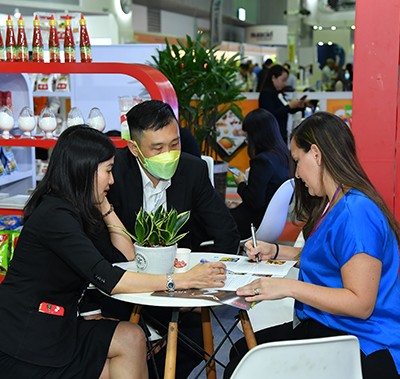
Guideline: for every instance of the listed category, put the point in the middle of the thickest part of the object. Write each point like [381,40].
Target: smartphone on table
[235,171]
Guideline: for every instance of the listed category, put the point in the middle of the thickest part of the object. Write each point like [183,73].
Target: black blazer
[190,189]
[53,262]
[267,173]
[270,101]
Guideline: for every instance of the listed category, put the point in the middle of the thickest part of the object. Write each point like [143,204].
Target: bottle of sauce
[10,41]
[54,44]
[37,42]
[69,44]
[84,42]
[1,49]
[22,43]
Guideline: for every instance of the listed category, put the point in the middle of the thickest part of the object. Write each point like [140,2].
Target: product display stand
[13,78]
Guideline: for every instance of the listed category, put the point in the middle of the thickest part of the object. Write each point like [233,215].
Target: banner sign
[267,35]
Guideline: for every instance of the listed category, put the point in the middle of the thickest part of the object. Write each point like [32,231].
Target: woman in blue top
[349,266]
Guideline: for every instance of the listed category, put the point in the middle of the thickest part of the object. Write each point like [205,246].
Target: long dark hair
[336,143]
[275,71]
[71,173]
[263,134]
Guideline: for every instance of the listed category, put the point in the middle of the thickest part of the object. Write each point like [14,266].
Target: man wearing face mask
[152,171]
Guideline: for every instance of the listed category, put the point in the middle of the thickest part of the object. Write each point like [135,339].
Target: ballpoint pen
[253,237]
[226,270]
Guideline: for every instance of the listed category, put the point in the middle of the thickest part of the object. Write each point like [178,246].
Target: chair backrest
[275,216]
[327,358]
[210,164]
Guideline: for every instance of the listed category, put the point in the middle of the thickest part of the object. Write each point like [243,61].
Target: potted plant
[156,235]
[205,84]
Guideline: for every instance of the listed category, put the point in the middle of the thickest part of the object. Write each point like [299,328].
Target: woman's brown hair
[336,143]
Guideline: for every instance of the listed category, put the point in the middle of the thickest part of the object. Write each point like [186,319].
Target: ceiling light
[320,43]
[353,27]
[315,27]
[333,27]
[17,13]
[241,14]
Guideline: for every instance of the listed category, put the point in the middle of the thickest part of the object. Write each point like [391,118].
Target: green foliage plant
[158,228]
[205,84]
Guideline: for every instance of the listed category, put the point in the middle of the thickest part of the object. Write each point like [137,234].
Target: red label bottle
[54,44]
[84,42]
[10,41]
[37,42]
[22,43]
[1,49]
[69,44]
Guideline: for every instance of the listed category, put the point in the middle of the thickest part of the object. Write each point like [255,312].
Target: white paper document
[240,264]
[236,280]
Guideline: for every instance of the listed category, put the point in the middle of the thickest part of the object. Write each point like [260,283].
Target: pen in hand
[253,237]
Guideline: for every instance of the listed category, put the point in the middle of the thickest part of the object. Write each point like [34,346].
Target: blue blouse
[356,225]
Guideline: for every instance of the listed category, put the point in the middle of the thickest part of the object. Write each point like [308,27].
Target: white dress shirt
[153,197]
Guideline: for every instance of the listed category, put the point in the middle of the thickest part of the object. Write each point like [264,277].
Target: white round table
[146,298]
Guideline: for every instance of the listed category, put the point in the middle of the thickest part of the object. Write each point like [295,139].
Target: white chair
[317,358]
[275,216]
[210,164]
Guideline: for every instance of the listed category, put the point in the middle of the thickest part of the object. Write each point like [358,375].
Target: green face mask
[161,166]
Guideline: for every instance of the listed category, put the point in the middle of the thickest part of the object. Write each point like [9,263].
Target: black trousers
[374,366]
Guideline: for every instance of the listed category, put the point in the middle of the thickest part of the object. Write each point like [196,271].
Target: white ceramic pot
[155,260]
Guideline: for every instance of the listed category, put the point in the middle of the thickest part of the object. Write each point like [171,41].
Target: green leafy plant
[158,228]
[205,84]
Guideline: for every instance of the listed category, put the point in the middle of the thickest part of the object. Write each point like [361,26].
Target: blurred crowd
[252,78]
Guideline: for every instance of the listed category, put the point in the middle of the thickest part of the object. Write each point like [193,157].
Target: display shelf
[6,211]
[15,176]
[46,143]
[51,94]
[19,181]
[14,78]
[154,81]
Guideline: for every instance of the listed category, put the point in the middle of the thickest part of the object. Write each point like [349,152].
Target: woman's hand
[264,250]
[203,275]
[296,103]
[239,178]
[265,289]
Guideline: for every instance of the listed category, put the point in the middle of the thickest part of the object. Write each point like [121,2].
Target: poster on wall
[342,108]
[230,136]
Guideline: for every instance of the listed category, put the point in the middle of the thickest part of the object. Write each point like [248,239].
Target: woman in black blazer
[64,246]
[272,98]
[269,168]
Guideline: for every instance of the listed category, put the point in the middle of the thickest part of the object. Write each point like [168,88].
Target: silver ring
[256,291]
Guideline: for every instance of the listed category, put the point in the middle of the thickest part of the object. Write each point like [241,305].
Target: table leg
[135,315]
[247,329]
[208,342]
[172,342]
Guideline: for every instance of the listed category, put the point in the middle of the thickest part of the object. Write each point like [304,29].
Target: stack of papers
[275,268]
[242,271]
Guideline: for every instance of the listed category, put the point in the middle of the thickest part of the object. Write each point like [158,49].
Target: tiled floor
[226,315]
